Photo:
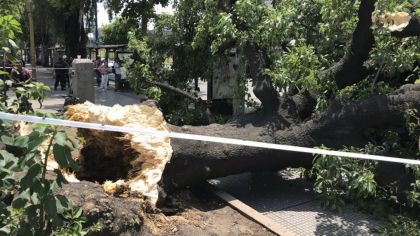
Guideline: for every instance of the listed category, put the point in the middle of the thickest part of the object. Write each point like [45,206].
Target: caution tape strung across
[103,127]
[39,68]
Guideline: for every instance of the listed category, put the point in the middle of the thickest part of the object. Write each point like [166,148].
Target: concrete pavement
[55,99]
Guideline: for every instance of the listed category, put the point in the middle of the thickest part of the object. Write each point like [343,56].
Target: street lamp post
[96,23]
[29,8]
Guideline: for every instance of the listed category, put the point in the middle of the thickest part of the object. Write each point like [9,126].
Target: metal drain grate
[289,201]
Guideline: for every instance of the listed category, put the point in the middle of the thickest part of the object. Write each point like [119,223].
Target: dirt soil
[212,216]
[187,212]
[193,211]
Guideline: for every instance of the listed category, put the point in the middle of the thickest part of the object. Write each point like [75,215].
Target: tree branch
[168,87]
[350,70]
[226,45]
[263,87]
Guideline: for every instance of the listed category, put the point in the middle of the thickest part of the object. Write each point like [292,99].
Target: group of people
[18,73]
[103,71]
[61,69]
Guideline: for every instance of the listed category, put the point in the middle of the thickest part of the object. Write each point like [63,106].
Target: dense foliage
[136,11]
[167,55]
[56,22]
[298,40]
[116,32]
[29,203]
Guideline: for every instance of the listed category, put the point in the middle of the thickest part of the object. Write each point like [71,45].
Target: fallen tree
[112,156]
[340,125]
[287,119]
[282,119]
[193,162]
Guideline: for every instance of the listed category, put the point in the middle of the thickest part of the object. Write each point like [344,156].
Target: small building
[115,49]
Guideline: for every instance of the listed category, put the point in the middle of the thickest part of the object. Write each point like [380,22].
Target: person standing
[104,70]
[69,61]
[118,74]
[61,70]
[97,64]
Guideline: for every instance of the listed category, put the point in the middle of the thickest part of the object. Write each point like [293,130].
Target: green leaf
[31,213]
[13,44]
[21,200]
[50,206]
[28,160]
[78,213]
[6,230]
[36,142]
[61,138]
[8,140]
[60,178]
[6,49]
[7,155]
[62,204]
[35,199]
[62,154]
[41,128]
[30,176]
[21,141]
[38,187]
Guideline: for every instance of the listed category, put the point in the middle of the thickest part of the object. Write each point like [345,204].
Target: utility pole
[29,8]
[96,22]
[95,6]
[4,77]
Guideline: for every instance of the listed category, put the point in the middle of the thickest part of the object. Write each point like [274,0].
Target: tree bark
[168,87]
[75,37]
[263,87]
[350,69]
[341,124]
[144,22]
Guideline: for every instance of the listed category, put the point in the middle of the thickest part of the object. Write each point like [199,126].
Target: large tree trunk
[195,161]
[44,42]
[75,36]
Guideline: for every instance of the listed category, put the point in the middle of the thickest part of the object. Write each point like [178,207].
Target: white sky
[104,20]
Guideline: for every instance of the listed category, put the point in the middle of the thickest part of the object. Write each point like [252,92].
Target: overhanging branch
[350,70]
[168,87]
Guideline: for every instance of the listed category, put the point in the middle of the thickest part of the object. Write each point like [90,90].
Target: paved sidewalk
[55,99]
[288,200]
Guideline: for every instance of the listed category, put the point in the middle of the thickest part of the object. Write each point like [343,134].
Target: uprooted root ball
[137,159]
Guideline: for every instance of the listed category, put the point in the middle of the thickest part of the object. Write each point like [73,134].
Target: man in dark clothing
[97,63]
[69,61]
[61,69]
